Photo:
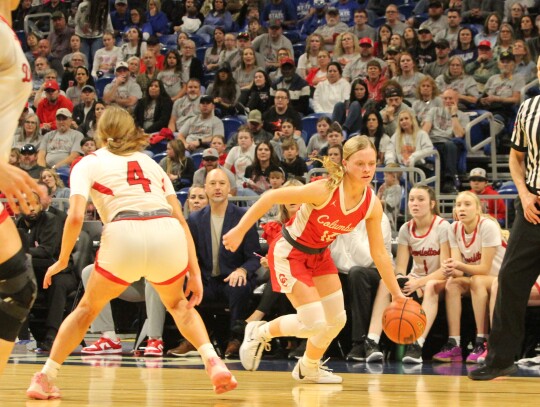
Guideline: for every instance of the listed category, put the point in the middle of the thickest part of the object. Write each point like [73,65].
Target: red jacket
[46,111]
[493,207]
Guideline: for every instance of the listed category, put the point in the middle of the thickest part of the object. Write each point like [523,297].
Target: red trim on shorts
[102,188]
[537,287]
[175,278]
[108,275]
[146,218]
[4,215]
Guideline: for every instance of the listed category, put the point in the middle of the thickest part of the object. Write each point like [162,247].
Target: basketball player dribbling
[17,281]
[300,262]
[145,235]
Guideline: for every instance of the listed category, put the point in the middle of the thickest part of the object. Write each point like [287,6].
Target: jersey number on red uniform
[135,176]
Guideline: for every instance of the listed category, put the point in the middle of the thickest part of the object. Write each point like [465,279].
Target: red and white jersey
[121,183]
[425,249]
[318,226]
[486,234]
[15,85]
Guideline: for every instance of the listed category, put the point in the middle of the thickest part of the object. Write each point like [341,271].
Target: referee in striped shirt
[519,269]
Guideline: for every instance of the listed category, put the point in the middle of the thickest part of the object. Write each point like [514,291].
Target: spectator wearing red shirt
[48,106]
[479,185]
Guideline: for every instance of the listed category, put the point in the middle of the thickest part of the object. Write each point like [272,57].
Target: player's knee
[311,318]
[332,328]
[18,289]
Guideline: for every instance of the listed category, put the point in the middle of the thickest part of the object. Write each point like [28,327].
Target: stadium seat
[101,83]
[293,35]
[159,156]
[298,49]
[201,52]
[182,195]
[197,158]
[169,40]
[231,124]
[309,125]
[63,173]
[406,10]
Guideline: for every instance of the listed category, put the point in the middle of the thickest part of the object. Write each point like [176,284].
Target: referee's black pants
[519,271]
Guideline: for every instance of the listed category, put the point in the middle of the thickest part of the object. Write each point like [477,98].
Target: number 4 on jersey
[135,176]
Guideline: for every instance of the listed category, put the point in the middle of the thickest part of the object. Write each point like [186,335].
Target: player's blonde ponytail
[117,132]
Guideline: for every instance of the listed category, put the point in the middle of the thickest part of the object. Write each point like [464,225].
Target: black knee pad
[18,290]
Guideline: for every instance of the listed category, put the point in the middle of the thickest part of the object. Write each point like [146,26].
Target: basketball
[404,321]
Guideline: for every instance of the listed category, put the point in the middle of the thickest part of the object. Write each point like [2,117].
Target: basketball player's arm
[194,284]
[402,259]
[528,200]
[488,254]
[72,229]
[315,193]
[378,251]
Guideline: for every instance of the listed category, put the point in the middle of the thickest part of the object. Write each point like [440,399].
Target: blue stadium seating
[101,83]
[197,158]
[182,195]
[231,124]
[159,156]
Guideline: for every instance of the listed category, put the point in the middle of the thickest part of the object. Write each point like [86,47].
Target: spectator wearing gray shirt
[443,124]
[197,132]
[210,162]
[269,44]
[187,106]
[60,147]
[122,91]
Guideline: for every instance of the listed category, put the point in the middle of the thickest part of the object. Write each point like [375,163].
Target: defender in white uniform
[145,234]
[17,281]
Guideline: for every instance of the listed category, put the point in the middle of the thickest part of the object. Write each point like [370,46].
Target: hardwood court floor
[173,382]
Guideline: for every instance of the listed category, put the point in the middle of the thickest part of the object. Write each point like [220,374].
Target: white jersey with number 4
[15,86]
[121,183]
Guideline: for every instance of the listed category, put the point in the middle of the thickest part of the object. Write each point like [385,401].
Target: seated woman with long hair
[334,90]
[349,112]
[225,92]
[257,174]
[258,97]
[28,133]
[171,76]
[153,111]
[308,59]
[178,167]
[373,128]
[427,97]
[456,78]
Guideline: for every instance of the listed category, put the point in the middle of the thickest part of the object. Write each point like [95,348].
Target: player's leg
[480,293]
[192,328]
[17,287]
[99,291]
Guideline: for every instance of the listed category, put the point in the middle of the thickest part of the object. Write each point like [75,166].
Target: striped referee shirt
[526,138]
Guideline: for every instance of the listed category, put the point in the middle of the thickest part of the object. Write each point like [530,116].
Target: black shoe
[490,373]
[373,352]
[357,353]
[413,354]
[449,188]
[239,328]
[298,352]
[46,344]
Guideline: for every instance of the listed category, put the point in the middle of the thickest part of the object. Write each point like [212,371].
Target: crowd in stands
[407,76]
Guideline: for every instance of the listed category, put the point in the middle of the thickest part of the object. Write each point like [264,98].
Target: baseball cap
[333,11]
[366,41]
[206,99]
[274,22]
[484,44]
[478,173]
[507,56]
[88,88]
[255,116]
[435,4]
[391,92]
[286,61]
[210,152]
[319,4]
[121,64]
[152,40]
[51,85]
[120,2]
[242,36]
[442,43]
[28,149]
[57,14]
[63,112]
[423,30]
[392,49]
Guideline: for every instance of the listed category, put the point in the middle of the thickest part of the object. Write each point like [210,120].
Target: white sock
[310,363]
[110,335]
[207,352]
[374,337]
[264,331]
[51,369]
[421,341]
[457,339]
